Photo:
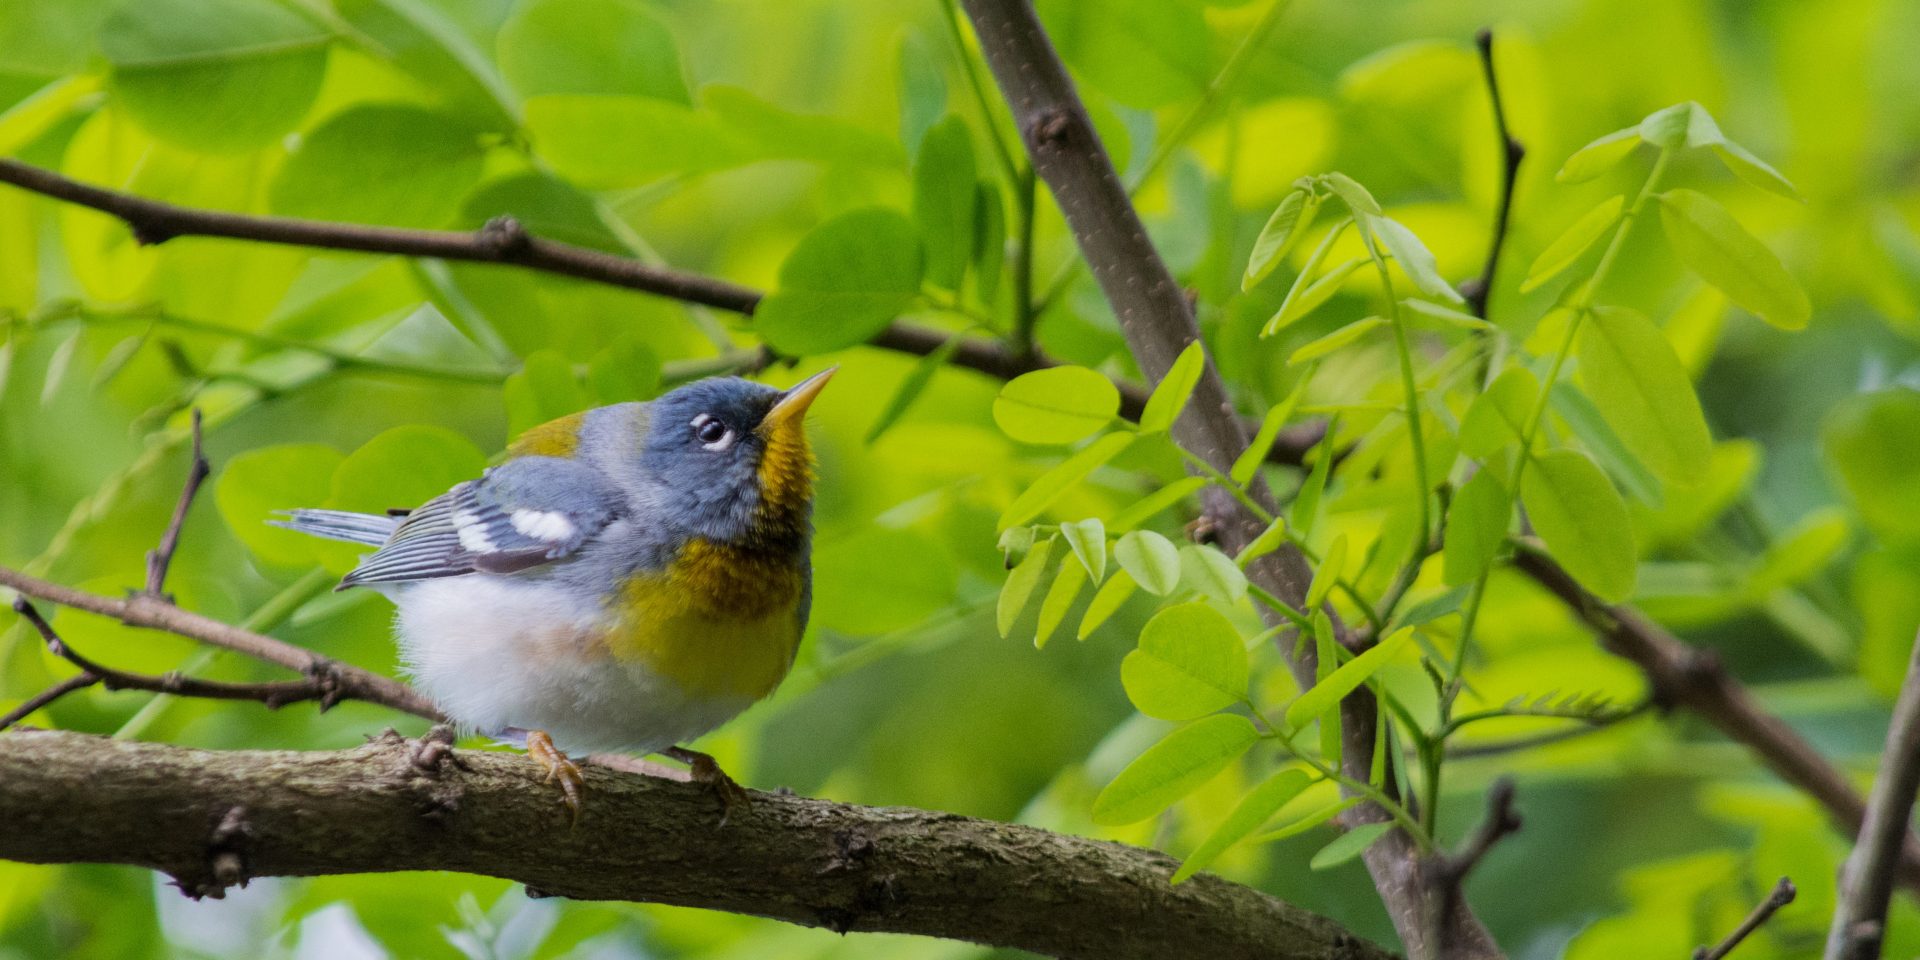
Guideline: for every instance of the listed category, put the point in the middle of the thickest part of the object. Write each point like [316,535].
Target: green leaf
[1250,459]
[1565,251]
[1106,602]
[1066,588]
[1715,246]
[591,47]
[1333,341]
[605,141]
[944,197]
[1348,845]
[214,75]
[1171,394]
[389,164]
[1498,416]
[1054,484]
[441,45]
[251,485]
[1190,662]
[1149,506]
[1476,526]
[1020,586]
[1599,156]
[990,240]
[1327,694]
[1809,547]
[1254,809]
[1630,370]
[543,389]
[1356,196]
[1307,272]
[1754,170]
[624,370]
[1089,542]
[1056,405]
[1681,125]
[1590,427]
[863,588]
[845,281]
[1152,560]
[1014,544]
[1583,521]
[1173,768]
[404,467]
[1299,303]
[923,89]
[1143,54]
[1332,567]
[1415,260]
[1290,221]
[1306,503]
[1212,573]
[1311,820]
[1446,315]
[1872,441]
[912,385]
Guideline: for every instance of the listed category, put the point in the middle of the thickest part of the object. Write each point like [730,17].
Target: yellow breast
[719,620]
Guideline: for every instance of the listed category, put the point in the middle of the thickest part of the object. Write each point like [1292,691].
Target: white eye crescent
[712,433]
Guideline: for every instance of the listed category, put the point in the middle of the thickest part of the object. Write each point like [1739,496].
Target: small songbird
[630,577]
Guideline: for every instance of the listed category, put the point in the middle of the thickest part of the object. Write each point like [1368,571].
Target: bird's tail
[370,529]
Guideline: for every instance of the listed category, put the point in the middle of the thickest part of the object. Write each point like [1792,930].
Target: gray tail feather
[366,528]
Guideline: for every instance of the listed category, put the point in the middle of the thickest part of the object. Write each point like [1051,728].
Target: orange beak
[792,406]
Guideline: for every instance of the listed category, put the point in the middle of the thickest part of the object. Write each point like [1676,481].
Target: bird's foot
[704,770]
[540,747]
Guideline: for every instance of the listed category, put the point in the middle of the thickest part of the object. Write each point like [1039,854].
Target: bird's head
[732,459]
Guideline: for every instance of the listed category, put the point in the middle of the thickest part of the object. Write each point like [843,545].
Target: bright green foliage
[1020,585]
[1348,845]
[1056,405]
[1257,807]
[1873,442]
[843,283]
[1171,394]
[544,389]
[1332,566]
[1583,521]
[1599,156]
[944,196]
[1068,582]
[1630,370]
[1055,483]
[912,385]
[596,47]
[1290,220]
[1579,238]
[1476,527]
[1152,560]
[1212,573]
[258,482]
[1326,694]
[1413,257]
[403,467]
[1498,416]
[1723,253]
[1335,340]
[1106,602]
[1173,768]
[1088,538]
[1189,664]
[390,164]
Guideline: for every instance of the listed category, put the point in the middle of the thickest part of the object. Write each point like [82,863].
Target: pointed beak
[792,406]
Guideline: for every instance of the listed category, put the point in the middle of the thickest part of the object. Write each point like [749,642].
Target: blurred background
[711,136]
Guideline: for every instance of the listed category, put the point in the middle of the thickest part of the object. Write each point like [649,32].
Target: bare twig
[1782,894]
[1477,290]
[1682,676]
[141,610]
[160,557]
[1448,872]
[79,681]
[1866,882]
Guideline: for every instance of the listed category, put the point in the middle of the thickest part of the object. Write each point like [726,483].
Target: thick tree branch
[214,819]
[504,241]
[1682,676]
[1158,323]
[1866,882]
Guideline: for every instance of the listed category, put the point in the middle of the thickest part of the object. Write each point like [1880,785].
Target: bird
[625,580]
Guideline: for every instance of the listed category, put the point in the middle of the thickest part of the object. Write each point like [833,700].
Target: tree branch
[1477,290]
[215,819]
[161,556]
[504,241]
[1158,323]
[1682,676]
[1782,894]
[1866,882]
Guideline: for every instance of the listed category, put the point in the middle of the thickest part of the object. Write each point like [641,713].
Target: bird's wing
[523,513]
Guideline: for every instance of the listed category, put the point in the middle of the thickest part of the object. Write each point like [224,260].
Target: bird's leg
[540,747]
[706,772]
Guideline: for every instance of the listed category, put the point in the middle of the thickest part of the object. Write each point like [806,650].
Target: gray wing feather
[521,514]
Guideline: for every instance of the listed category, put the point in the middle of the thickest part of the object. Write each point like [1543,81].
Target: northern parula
[628,579]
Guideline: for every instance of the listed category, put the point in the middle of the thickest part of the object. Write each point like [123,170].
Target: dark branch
[1477,290]
[275,695]
[1866,882]
[1782,894]
[1682,676]
[160,557]
[506,241]
[1448,872]
[79,681]
[213,819]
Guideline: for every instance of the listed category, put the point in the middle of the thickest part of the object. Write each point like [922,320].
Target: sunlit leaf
[388,164]
[1152,560]
[1566,250]
[1753,170]
[1445,314]
[1254,809]
[1054,484]
[1711,242]
[912,385]
[944,198]
[1308,271]
[1599,156]
[842,284]
[1171,394]
[1088,538]
[1310,820]
[1173,768]
[1681,125]
[1020,585]
[1289,222]
[1331,569]
[1476,526]
[1190,662]
[1147,507]
[1498,416]
[1106,601]
[1250,459]
[252,484]
[1212,573]
[1583,521]
[1056,405]
[1414,258]
[1327,694]
[1323,346]
[1356,196]
[1348,845]
[589,46]
[1630,370]
[1806,549]
[1067,584]
[1312,297]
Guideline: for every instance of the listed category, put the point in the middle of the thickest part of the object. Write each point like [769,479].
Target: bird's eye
[712,433]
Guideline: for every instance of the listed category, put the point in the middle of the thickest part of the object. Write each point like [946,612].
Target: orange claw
[540,747]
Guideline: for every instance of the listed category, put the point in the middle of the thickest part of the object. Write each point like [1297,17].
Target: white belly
[495,653]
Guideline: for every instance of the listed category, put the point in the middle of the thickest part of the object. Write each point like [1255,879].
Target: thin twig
[1866,882]
[1448,871]
[1477,290]
[79,681]
[1782,894]
[159,558]
[275,695]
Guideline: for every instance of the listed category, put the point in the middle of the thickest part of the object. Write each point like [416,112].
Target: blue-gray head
[732,459]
